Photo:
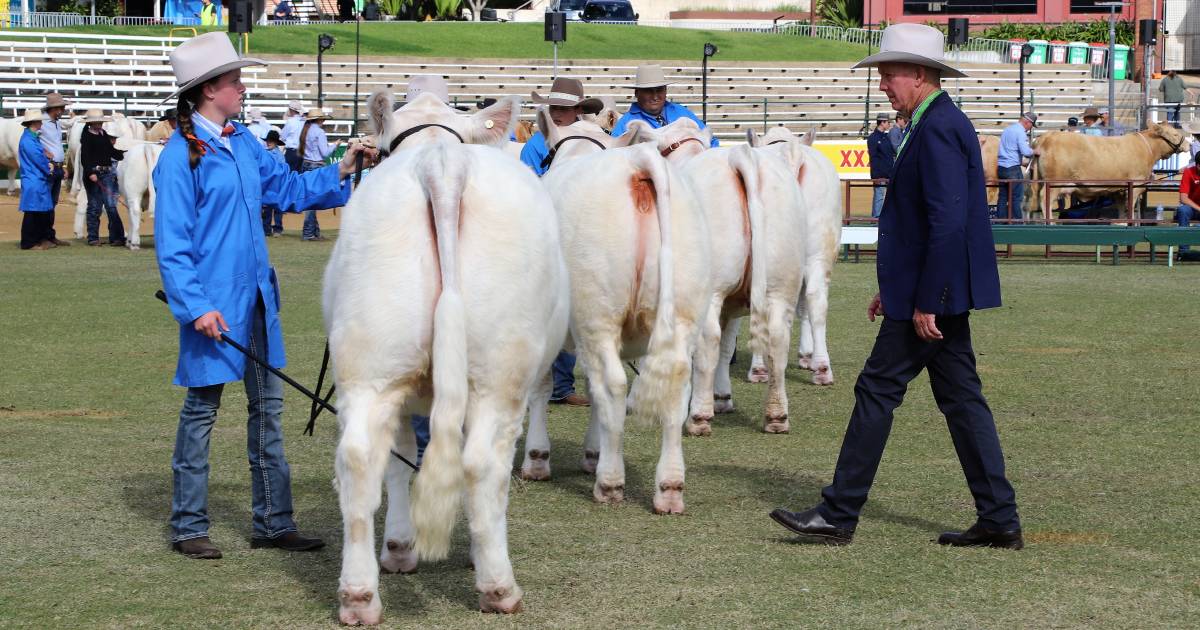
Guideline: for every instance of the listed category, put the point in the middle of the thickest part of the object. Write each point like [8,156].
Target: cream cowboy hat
[296,106]
[204,57]
[31,115]
[649,76]
[421,83]
[1192,127]
[568,93]
[912,43]
[95,115]
[316,114]
[54,99]
[254,114]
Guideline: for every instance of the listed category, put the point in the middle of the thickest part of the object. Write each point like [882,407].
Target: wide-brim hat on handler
[95,115]
[54,99]
[32,114]
[204,57]
[316,114]
[566,92]
[649,76]
[912,43]
[1090,112]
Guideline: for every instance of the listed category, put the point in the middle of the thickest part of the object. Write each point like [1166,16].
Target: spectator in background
[1189,204]
[164,128]
[883,157]
[52,143]
[1173,92]
[272,216]
[896,133]
[258,125]
[1111,127]
[291,134]
[652,106]
[314,148]
[1194,129]
[283,11]
[371,12]
[1091,122]
[98,158]
[35,203]
[1073,124]
[208,13]
[1014,146]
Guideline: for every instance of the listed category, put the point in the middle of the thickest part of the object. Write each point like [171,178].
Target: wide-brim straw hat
[204,57]
[1192,127]
[316,113]
[650,75]
[423,83]
[54,99]
[296,106]
[912,43]
[566,92]
[95,115]
[32,114]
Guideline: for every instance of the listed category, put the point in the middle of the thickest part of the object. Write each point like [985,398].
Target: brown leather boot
[198,549]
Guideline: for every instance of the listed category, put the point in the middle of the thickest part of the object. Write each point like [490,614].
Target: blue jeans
[563,370]
[877,201]
[420,425]
[1018,192]
[1183,216]
[270,476]
[103,194]
[272,218]
[1173,113]
[312,229]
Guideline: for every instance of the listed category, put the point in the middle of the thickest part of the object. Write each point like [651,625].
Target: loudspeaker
[241,16]
[959,31]
[1148,32]
[556,26]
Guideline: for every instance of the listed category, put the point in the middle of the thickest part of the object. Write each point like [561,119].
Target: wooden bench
[1115,236]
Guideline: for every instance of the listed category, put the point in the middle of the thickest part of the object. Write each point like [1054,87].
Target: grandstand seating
[132,74]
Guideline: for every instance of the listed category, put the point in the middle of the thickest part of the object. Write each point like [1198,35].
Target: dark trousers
[292,158]
[35,228]
[102,196]
[56,178]
[898,357]
[1005,173]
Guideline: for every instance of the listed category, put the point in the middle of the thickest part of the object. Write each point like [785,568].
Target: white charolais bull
[134,178]
[756,219]
[637,248]
[121,126]
[819,189]
[446,289]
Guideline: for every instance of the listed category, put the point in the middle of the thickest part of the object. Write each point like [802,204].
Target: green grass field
[1090,370]
[525,41]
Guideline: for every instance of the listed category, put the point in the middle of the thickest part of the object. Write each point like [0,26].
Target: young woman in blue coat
[211,182]
[36,202]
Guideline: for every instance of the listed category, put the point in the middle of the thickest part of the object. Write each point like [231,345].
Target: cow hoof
[776,425]
[590,460]
[804,361]
[757,375]
[669,498]
[360,605]
[501,600]
[723,404]
[398,557]
[699,426]
[537,466]
[133,247]
[823,375]
[609,493]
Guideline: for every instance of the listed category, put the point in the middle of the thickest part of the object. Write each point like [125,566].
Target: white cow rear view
[136,184]
[444,289]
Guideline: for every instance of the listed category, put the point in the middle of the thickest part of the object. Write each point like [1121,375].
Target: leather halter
[408,132]
[775,142]
[554,150]
[675,145]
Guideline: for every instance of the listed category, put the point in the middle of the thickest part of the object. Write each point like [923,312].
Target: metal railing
[65,20]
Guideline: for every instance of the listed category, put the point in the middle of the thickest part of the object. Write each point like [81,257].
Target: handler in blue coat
[652,106]
[36,200]
[211,181]
[936,262]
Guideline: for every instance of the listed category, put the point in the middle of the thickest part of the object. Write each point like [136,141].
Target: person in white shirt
[52,142]
[291,134]
[258,125]
[313,148]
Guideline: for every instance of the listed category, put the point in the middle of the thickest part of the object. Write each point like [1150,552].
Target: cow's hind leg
[722,385]
[816,298]
[779,329]
[536,466]
[804,347]
[134,204]
[397,554]
[607,381]
[80,211]
[367,419]
[493,423]
[704,366]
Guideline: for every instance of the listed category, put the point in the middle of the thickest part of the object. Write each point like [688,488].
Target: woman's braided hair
[183,112]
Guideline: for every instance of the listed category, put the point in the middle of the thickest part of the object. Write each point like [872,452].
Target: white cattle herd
[458,276]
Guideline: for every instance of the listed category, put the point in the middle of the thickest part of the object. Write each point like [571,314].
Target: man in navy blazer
[936,263]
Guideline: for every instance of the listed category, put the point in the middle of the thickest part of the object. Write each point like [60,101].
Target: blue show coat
[670,112]
[936,251]
[883,154]
[35,174]
[534,153]
[212,256]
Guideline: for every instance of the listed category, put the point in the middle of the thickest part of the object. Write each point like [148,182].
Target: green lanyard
[916,117]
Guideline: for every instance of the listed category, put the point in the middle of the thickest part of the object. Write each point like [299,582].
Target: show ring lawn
[526,41]
[1090,371]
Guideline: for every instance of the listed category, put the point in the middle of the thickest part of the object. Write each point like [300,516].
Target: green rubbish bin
[1077,52]
[1121,62]
[1040,48]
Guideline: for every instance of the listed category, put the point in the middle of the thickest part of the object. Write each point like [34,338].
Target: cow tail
[1035,189]
[664,372]
[743,160]
[437,490]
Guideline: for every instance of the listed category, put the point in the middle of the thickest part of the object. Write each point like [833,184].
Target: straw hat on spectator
[649,76]
[96,116]
[296,106]
[254,114]
[204,57]
[54,99]
[1090,112]
[31,115]
[912,43]
[316,113]
[1192,127]
[566,92]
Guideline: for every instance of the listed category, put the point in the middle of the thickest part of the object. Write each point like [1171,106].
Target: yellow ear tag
[488,124]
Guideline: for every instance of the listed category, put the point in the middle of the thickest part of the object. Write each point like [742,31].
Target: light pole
[709,50]
[1113,7]
[325,41]
[1026,51]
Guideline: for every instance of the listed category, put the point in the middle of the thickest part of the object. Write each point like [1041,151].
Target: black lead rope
[554,150]
[324,403]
